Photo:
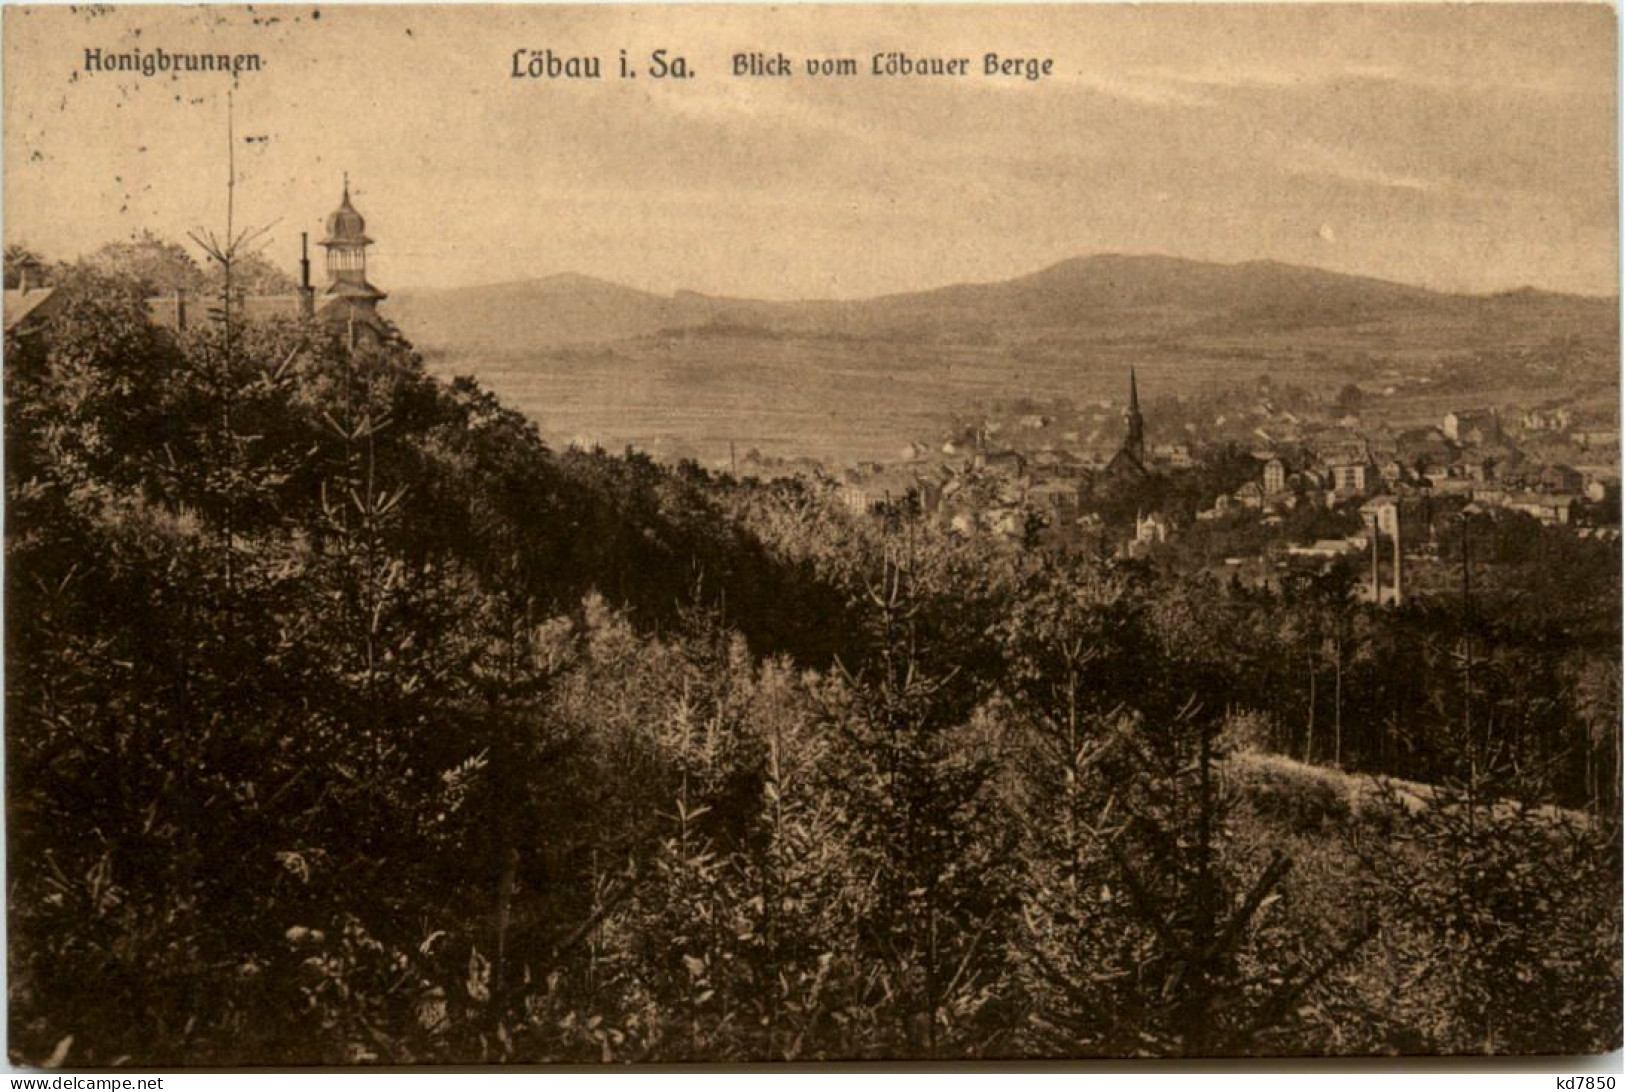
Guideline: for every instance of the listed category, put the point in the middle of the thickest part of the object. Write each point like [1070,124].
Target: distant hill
[1107,298]
[562,310]
[1110,288]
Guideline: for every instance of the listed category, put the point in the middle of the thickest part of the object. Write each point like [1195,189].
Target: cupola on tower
[350,296]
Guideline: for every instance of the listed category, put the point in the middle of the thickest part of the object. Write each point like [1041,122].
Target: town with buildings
[1266,482]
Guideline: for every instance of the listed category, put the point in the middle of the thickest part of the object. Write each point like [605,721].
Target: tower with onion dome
[350,298]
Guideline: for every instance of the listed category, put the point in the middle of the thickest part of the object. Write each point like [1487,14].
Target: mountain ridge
[1111,296]
[571,276]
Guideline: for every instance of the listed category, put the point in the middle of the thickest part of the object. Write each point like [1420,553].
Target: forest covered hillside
[350,720]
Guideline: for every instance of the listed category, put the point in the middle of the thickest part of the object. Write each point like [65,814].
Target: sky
[1467,148]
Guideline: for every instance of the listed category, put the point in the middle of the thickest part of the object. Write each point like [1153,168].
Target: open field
[840,402]
[828,400]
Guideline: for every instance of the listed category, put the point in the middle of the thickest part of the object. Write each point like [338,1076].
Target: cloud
[1352,168]
[1142,89]
[1327,235]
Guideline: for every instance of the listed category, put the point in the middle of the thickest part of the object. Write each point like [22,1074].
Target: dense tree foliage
[348,722]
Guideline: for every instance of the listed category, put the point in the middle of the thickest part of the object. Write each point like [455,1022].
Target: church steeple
[1134,440]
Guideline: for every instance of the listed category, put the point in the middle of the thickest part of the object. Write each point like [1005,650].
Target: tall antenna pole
[231,166]
[225,250]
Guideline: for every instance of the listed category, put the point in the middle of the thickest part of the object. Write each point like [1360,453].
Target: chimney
[180,308]
[22,276]
[307,295]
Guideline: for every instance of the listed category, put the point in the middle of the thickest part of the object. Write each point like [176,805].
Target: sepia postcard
[650,534]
